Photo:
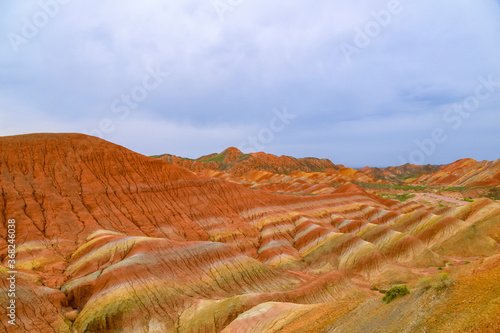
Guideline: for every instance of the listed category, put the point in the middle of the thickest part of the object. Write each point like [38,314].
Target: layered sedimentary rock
[464,172]
[400,173]
[234,162]
[297,182]
[109,240]
[283,174]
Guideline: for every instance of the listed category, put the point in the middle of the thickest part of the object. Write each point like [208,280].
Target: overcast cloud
[358,100]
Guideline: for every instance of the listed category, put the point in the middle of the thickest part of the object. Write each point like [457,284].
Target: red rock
[136,243]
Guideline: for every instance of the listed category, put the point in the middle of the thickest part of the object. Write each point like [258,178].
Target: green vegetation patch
[457,188]
[400,197]
[439,282]
[410,175]
[219,158]
[242,157]
[494,193]
[395,292]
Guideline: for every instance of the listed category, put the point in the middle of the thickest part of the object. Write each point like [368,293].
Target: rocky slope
[234,162]
[400,173]
[465,172]
[283,174]
[109,240]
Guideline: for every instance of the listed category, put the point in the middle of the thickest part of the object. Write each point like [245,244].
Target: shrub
[439,282]
[467,262]
[440,268]
[424,283]
[442,281]
[374,288]
[395,292]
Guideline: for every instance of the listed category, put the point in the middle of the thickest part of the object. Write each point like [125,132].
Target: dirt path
[435,199]
[460,202]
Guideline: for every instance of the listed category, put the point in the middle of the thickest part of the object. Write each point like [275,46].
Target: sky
[365,82]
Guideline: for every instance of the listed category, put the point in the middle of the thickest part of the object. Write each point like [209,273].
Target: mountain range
[109,240]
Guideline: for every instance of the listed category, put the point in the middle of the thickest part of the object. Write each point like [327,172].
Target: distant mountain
[234,162]
[273,173]
[464,172]
[401,173]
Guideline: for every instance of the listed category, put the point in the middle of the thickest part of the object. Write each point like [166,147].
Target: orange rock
[110,240]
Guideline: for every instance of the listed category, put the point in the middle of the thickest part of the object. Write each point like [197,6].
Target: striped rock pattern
[464,172]
[109,240]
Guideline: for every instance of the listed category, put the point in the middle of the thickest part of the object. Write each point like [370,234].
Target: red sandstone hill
[109,240]
[234,162]
[464,172]
[268,172]
[400,173]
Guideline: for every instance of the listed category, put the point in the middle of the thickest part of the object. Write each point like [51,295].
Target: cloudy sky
[360,82]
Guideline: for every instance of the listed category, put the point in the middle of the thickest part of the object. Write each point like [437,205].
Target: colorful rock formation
[465,172]
[109,240]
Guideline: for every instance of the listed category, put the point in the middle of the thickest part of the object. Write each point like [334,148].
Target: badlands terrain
[108,240]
